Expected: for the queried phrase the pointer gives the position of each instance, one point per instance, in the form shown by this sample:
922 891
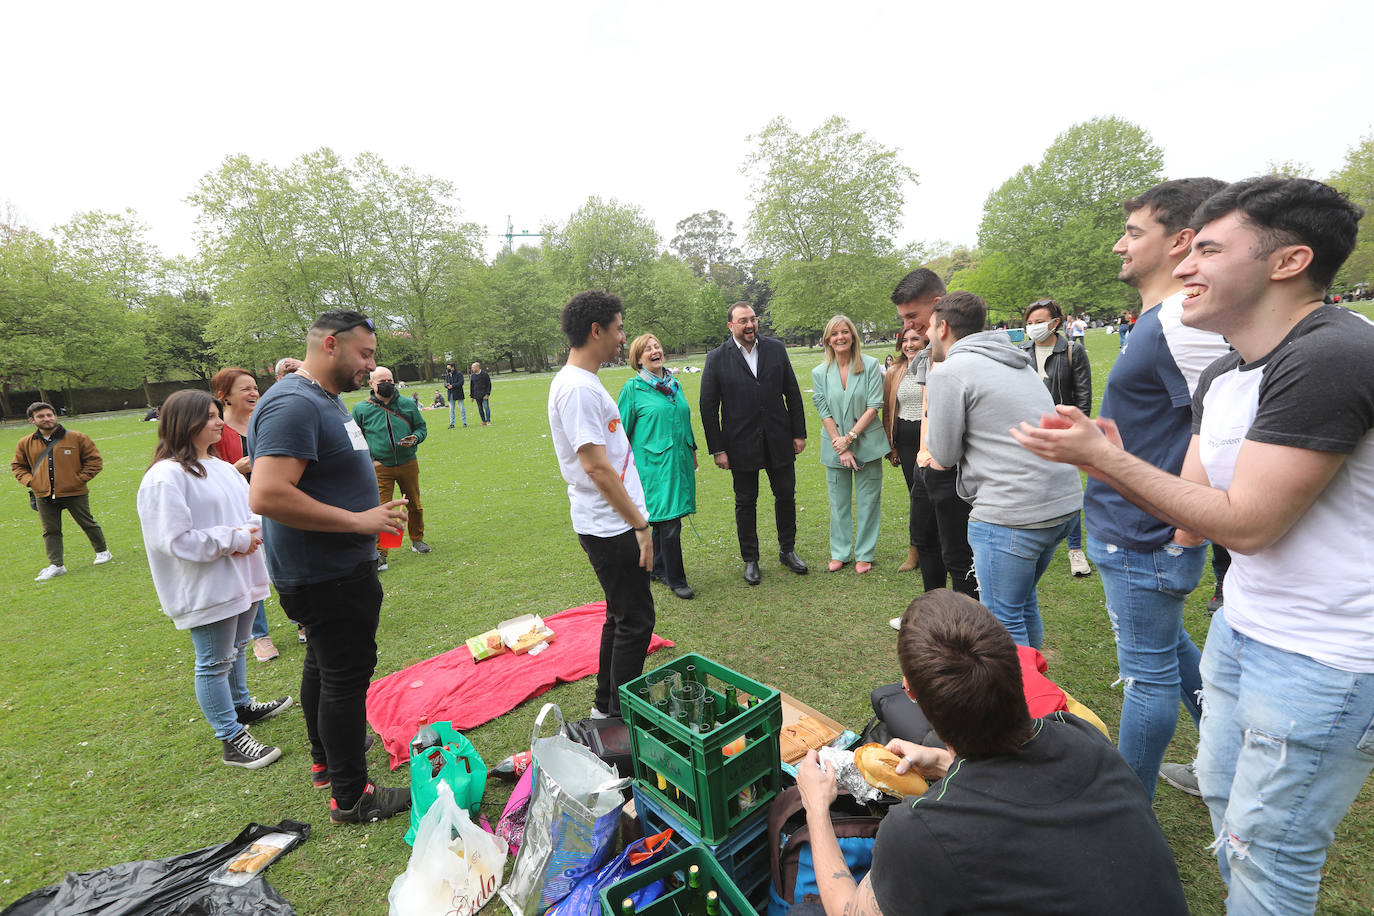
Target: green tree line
96 303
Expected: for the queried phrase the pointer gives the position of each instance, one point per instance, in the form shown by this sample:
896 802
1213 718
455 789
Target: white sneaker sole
265 760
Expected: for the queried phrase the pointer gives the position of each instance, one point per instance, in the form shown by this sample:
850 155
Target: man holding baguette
1023 815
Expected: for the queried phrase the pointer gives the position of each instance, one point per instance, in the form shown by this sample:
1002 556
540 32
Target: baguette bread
878 766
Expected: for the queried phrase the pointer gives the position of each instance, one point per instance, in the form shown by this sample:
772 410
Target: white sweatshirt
191 526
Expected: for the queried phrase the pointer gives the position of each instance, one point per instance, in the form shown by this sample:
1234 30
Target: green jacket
846 405
660 433
383 429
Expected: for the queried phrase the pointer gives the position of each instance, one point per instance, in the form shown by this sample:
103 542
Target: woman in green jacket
848 392
658 423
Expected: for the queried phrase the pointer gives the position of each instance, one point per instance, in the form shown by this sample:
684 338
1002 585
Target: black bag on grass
608 739
175 886
896 715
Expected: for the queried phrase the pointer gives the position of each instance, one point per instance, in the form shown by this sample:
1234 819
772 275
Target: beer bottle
627 907
731 703
712 903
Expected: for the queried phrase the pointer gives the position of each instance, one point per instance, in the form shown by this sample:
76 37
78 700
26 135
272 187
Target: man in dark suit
751 410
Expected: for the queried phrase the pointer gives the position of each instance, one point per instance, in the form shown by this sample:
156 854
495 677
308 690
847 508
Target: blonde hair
856 358
637 348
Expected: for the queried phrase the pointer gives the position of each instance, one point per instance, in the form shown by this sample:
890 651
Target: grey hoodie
985 386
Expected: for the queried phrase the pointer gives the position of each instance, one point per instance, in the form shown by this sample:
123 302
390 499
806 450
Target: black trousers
951 518
922 531
668 553
629 625
341 616
783 482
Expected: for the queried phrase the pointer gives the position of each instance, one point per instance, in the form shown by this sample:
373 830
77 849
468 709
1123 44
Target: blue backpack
794 874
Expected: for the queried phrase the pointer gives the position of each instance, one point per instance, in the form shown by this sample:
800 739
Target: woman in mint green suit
848 392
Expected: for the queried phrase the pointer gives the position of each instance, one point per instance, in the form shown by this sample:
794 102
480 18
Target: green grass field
105 757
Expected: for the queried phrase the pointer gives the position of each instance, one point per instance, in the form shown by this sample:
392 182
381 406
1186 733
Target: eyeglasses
1041 303
746 321
346 321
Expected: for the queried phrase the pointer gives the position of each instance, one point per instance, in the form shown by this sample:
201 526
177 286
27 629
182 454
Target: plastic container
677 901
707 791
744 857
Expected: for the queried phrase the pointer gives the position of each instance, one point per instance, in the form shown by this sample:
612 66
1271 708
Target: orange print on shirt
613 424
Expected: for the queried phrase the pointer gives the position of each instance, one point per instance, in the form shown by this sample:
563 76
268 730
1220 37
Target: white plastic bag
454 868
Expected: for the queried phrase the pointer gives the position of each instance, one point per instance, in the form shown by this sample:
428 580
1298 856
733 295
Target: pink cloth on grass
453 688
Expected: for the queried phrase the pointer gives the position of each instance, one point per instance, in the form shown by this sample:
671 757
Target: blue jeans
1156 658
1286 745
222 671
461 406
483 409
1009 563
259 620
1074 539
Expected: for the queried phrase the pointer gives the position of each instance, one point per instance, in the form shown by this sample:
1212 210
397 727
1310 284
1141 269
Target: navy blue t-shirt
298 419
1149 394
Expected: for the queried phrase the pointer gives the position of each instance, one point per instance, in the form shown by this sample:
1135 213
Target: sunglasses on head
347 325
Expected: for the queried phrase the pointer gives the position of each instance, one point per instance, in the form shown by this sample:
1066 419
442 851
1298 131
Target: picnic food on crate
806 734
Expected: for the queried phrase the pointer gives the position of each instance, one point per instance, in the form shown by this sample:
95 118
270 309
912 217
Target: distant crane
511 235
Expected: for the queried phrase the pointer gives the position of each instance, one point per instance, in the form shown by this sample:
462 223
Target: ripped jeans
1287 742
1156 658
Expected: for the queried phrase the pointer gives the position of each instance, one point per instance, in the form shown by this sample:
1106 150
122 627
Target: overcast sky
530 107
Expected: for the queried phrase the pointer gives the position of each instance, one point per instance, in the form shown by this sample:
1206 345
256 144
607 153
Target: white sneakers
52 572
1078 563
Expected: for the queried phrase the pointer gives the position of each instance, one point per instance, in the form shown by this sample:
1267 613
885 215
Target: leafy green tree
516 305
704 241
996 279
1056 222
604 245
112 250
824 205
418 245
1356 178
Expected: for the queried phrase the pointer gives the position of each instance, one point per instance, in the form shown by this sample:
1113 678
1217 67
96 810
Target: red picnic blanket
453 688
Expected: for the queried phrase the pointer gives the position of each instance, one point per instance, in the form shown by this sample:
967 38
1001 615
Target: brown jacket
75 460
895 373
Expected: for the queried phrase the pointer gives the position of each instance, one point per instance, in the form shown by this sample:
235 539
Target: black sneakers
255 711
243 750
376 803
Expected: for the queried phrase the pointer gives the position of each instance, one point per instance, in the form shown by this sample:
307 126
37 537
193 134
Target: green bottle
712 903
627 907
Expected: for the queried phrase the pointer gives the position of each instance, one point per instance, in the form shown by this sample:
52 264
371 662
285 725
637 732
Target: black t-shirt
1063 828
298 419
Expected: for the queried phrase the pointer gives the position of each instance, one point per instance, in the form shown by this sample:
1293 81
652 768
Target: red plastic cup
388 539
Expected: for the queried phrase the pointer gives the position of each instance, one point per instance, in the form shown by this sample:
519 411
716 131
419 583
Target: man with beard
752 414
56 463
314 485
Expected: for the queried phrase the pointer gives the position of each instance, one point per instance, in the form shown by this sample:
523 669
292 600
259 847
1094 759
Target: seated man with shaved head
394 428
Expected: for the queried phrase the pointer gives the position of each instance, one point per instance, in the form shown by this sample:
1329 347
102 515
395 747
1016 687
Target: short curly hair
586 309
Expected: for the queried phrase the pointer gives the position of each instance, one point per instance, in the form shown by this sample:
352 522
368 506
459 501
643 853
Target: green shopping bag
455 762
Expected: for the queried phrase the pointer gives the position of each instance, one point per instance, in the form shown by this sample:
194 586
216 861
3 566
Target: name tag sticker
355 435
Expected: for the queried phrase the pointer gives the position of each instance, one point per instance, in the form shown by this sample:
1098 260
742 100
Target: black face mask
385 389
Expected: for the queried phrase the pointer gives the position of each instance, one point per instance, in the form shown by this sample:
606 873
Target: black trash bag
176 886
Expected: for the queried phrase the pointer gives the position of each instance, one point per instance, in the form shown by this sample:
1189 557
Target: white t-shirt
1311 592
581 412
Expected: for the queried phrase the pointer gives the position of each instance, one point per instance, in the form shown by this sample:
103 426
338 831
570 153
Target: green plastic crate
677 901
702 784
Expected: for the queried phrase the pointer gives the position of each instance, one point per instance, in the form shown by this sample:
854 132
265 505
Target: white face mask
1039 332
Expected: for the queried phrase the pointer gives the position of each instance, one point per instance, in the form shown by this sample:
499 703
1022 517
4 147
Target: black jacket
454 382
753 420
480 385
1067 385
